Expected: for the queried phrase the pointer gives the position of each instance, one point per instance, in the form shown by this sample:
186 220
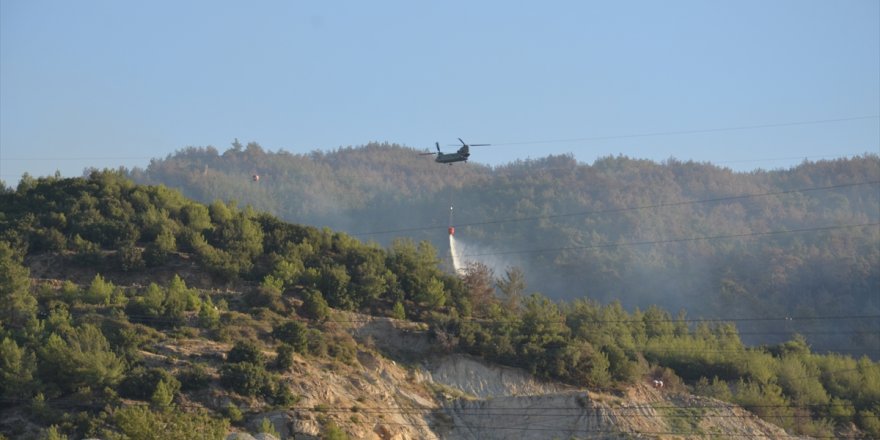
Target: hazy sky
109 83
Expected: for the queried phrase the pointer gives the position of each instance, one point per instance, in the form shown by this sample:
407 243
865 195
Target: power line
625 209
675 240
545 411
623 431
682 132
529 414
771 159
51 159
413 409
77 158
810 333
551 141
742 350
789 319
795 318
647 349
365 319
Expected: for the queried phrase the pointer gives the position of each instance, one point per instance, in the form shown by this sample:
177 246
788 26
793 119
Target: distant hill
799 242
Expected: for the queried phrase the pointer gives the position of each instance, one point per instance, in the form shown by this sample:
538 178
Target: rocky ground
400 385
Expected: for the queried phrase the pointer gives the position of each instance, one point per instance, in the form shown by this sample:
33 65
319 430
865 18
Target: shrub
99 291
398 312
294 333
53 433
267 295
717 389
232 413
17 367
330 431
284 358
317 343
267 427
194 378
342 347
599 375
148 305
164 394
209 314
138 422
48 239
314 306
129 258
283 396
87 253
81 358
142 383
127 338
246 351
869 420
621 367
246 379
157 252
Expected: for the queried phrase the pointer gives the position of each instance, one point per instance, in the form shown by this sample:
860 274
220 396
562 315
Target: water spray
456 258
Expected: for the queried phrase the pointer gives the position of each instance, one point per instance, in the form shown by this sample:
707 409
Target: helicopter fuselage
459 156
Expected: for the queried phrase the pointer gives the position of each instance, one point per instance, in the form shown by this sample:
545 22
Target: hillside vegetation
77 353
801 243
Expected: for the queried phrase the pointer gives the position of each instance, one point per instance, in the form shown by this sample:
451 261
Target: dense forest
72 350
802 243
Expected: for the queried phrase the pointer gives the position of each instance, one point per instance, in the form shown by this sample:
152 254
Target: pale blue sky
109 83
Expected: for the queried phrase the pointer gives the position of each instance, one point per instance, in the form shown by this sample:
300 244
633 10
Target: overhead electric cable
527 424
625 209
413 409
77 158
674 240
370 319
547 141
682 132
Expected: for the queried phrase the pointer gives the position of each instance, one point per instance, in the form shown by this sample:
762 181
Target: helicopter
459 156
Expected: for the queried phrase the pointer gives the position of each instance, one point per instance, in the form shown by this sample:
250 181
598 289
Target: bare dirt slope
478 400
426 394
401 385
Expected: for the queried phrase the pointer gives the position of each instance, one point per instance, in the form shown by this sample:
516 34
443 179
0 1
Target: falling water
464 252
456 257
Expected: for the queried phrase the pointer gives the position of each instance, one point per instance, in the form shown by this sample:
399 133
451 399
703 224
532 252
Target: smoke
464 253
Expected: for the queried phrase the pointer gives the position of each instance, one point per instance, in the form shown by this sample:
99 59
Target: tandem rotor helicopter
459 156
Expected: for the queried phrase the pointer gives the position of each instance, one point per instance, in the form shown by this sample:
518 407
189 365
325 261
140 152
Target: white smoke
464 253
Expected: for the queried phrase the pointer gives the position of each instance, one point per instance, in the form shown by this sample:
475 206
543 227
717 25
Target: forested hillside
152 274
87 356
801 243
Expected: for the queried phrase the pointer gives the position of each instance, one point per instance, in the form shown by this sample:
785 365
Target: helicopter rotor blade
469 145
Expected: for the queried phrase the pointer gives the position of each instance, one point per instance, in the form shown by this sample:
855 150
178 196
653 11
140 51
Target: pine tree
17 305
17 367
163 396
